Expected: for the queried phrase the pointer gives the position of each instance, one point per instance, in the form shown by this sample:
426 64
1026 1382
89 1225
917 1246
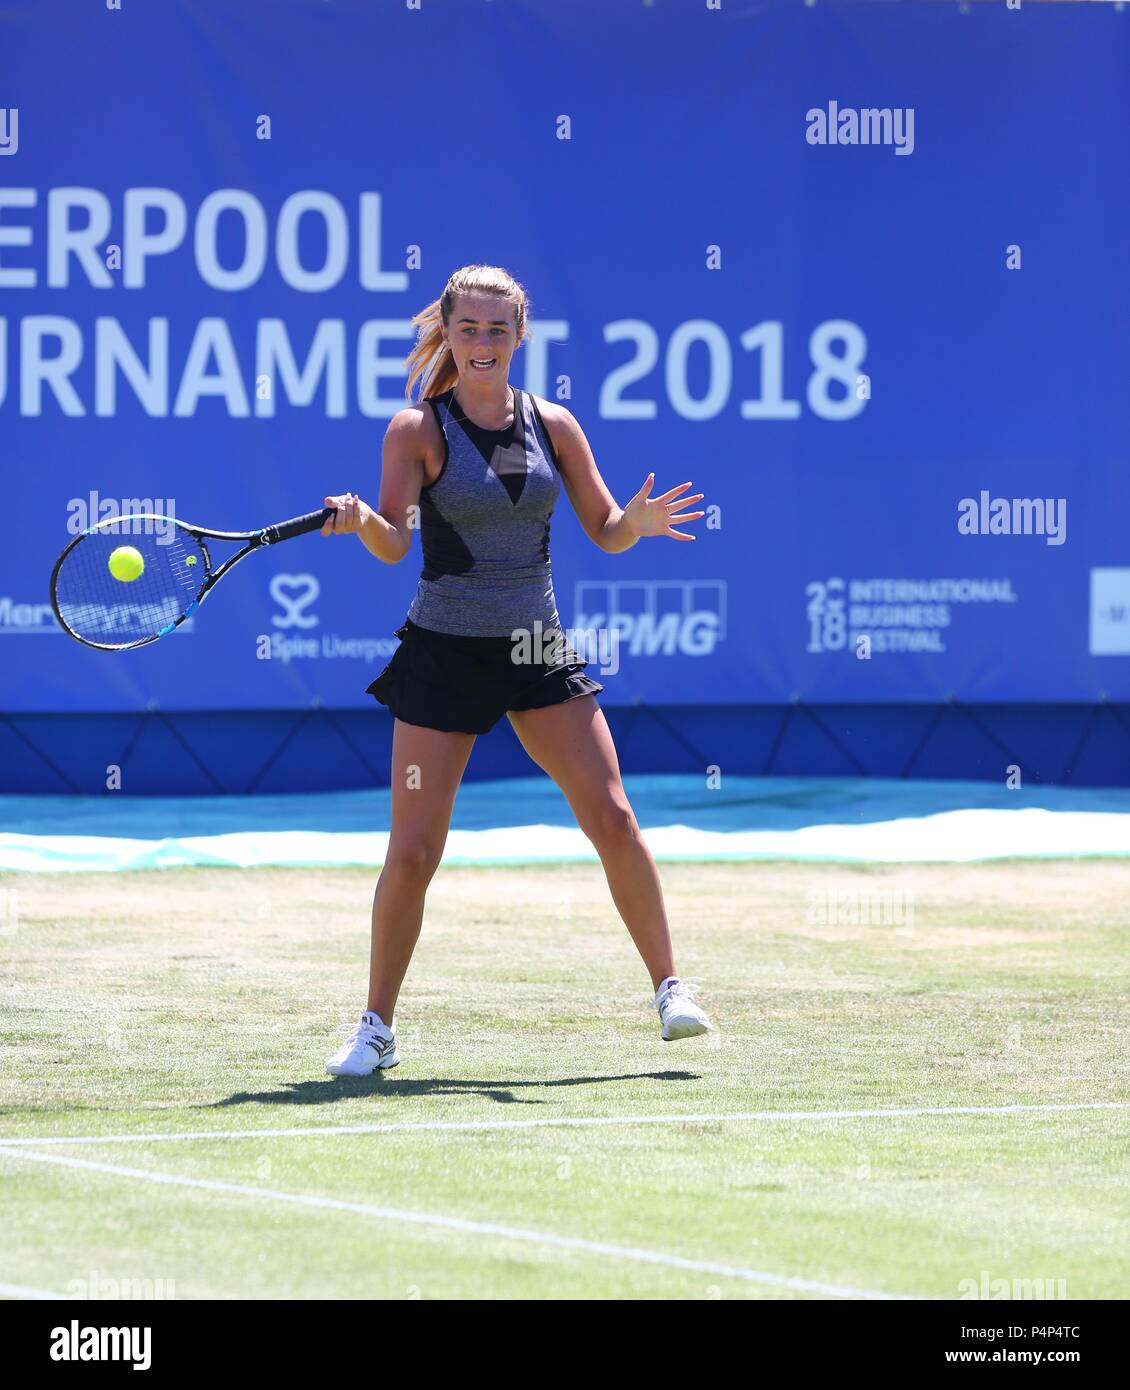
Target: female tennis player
481 464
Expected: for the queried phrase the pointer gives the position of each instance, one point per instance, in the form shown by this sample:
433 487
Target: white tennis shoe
369 1047
679 1011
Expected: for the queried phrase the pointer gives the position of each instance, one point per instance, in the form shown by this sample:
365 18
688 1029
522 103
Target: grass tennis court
205 1002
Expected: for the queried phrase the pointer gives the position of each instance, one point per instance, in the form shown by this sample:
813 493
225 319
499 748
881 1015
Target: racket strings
95 605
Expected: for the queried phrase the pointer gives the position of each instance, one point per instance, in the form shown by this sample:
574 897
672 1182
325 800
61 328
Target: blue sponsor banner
860 272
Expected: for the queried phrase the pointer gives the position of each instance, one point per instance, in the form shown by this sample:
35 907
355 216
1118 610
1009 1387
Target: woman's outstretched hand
352 514
652 516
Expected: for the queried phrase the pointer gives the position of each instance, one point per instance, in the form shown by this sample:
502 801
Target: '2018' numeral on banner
842 368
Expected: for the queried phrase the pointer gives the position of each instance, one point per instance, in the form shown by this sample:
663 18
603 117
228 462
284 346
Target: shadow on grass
380 1083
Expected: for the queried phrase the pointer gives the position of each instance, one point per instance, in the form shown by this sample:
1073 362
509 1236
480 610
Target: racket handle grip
297 526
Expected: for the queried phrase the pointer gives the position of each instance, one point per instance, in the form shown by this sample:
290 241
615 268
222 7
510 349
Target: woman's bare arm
612 527
385 530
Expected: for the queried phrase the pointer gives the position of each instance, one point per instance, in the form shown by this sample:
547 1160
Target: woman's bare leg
427 766
573 744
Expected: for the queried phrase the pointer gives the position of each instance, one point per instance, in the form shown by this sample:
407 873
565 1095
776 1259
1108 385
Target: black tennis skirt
466 684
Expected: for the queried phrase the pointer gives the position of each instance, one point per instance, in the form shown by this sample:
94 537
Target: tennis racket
129 580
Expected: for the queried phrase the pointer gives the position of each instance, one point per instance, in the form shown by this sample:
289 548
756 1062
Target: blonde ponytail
431 357
431 360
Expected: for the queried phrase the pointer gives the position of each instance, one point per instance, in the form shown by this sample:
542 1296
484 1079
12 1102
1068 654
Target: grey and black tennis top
484 525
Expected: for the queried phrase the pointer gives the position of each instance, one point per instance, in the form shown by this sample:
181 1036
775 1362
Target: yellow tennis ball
126 564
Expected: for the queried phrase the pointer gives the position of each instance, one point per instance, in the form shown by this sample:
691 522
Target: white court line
22 1291
566 1122
456 1223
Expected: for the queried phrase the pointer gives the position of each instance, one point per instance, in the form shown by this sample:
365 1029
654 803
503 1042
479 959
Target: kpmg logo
9 129
654 617
294 593
1110 612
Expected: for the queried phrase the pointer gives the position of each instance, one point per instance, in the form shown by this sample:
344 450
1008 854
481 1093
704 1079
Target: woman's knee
414 858
612 822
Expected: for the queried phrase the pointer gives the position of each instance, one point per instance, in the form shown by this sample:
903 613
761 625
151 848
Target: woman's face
482 336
